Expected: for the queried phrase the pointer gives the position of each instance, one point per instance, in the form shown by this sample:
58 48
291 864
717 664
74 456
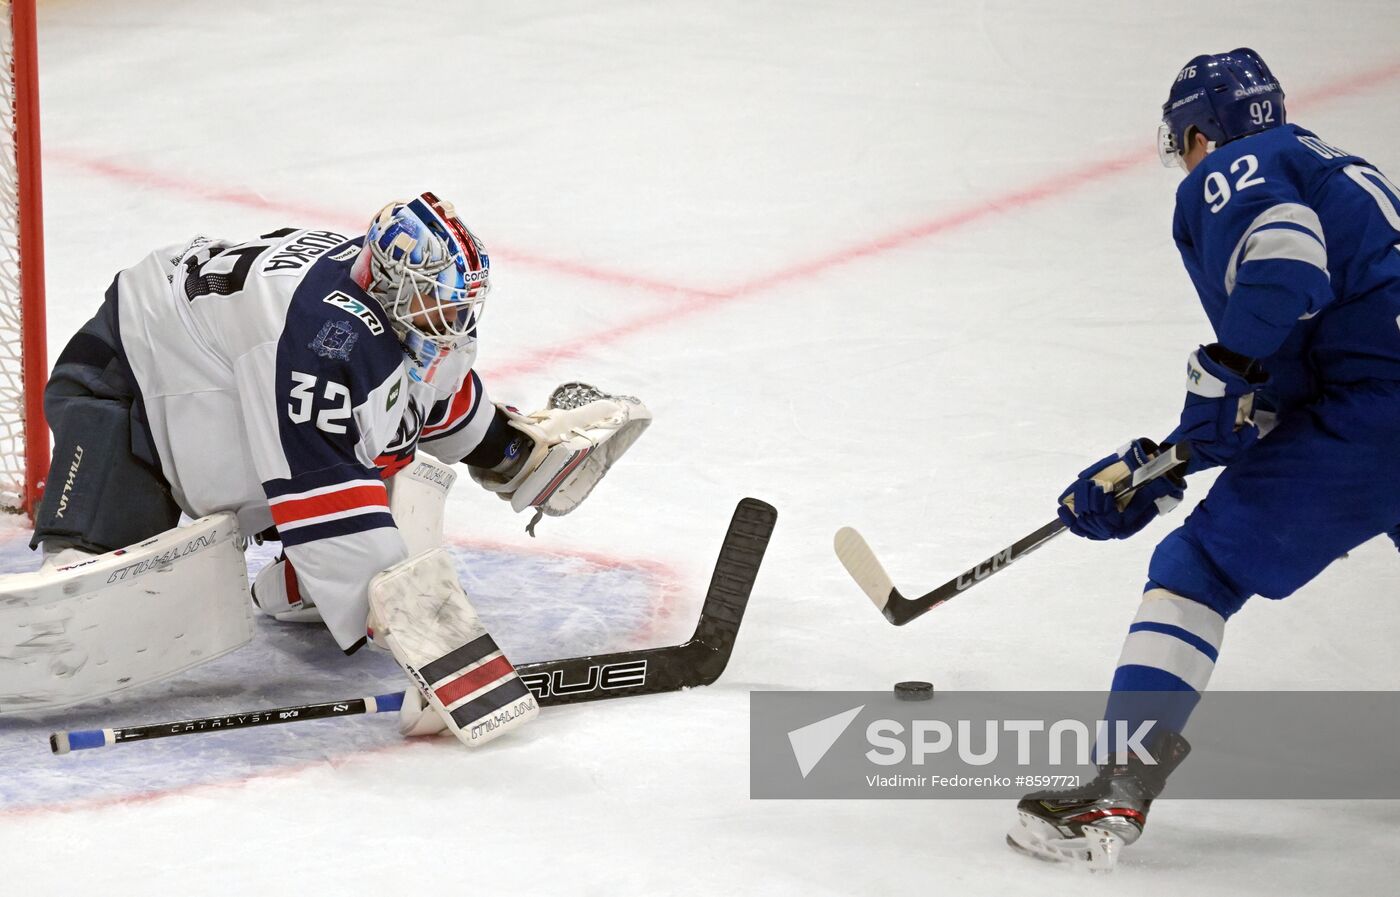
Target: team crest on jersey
358 308
335 340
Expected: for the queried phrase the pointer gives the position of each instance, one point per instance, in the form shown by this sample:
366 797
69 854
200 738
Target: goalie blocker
419 612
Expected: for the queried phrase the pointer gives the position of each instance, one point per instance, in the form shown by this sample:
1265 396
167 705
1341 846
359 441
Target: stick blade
699 661
855 555
736 570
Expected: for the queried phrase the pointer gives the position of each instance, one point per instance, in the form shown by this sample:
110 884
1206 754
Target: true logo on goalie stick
357 308
608 676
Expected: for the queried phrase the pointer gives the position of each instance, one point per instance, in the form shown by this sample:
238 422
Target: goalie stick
85 739
860 561
698 661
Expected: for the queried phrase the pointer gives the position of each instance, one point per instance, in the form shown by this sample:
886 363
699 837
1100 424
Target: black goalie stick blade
699 661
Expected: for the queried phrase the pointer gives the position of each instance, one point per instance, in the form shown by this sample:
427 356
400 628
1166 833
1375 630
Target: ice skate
1090 826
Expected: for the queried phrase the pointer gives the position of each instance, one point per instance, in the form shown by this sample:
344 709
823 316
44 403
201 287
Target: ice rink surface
903 266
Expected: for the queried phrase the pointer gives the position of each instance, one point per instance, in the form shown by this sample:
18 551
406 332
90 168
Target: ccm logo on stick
604 676
984 569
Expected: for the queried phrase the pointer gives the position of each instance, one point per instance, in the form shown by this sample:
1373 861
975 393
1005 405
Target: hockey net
24 442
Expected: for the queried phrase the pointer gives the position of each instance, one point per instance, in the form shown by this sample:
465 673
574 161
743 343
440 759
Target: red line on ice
692 300
1060 184
308 212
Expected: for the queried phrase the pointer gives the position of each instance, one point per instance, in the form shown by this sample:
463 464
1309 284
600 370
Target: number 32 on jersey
335 404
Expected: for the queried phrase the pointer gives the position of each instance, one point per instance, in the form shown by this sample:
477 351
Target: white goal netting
14 477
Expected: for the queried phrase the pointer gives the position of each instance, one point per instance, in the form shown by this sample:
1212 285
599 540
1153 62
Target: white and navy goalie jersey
1294 248
274 387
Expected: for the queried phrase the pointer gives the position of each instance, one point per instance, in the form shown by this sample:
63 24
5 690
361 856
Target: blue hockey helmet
1224 96
429 272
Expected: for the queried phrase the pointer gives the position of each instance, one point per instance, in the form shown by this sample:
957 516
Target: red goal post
24 438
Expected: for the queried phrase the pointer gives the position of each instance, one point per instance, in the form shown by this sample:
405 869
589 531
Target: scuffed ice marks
538 606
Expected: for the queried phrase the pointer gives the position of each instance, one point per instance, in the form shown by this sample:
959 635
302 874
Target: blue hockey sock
1166 663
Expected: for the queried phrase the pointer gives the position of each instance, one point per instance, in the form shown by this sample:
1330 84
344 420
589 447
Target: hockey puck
913 691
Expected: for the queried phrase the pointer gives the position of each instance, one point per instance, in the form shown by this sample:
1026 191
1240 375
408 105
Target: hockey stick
699 661
84 739
859 561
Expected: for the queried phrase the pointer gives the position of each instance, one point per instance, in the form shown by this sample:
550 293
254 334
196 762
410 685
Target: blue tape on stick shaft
83 739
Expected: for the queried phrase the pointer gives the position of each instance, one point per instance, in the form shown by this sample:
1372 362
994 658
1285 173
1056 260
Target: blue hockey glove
1089 509
1218 417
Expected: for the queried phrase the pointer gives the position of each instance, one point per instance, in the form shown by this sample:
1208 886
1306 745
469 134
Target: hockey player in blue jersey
1294 248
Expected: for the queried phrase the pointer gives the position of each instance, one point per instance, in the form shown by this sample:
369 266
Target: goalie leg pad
118 620
105 489
277 593
419 611
417 499
99 497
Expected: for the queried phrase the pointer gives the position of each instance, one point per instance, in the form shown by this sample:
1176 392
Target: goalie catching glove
567 447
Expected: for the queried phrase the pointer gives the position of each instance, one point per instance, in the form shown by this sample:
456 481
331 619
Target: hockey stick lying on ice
859 561
699 661
83 739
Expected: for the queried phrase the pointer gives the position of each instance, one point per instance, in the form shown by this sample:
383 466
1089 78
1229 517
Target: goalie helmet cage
24 439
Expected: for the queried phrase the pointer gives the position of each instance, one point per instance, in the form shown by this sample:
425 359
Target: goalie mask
429 272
